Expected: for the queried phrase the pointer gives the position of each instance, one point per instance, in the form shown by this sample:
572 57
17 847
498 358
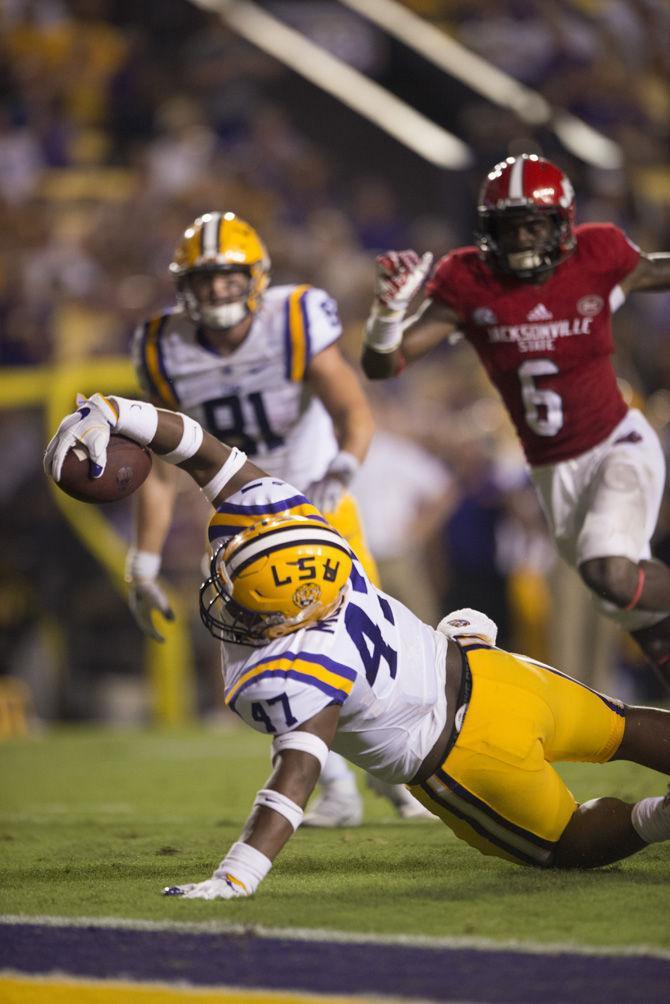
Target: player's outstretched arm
651 273
392 340
219 470
277 812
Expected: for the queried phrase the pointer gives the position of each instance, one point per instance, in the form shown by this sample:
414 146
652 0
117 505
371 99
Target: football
128 464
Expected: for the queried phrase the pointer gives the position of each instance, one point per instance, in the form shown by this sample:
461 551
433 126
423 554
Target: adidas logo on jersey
539 313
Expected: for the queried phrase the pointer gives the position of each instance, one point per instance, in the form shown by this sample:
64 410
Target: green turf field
93 823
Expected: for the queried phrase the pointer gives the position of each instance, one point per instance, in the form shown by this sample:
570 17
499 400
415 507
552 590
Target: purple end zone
244 961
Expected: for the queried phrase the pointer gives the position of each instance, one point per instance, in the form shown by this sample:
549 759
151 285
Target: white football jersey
255 398
374 658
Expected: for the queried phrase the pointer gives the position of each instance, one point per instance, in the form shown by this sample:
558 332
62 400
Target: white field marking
196 991
341 937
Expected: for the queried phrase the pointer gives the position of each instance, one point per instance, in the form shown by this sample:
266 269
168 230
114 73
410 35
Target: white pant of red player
606 502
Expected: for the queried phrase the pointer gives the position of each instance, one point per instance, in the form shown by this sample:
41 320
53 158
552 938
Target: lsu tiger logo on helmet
526 189
280 575
214 243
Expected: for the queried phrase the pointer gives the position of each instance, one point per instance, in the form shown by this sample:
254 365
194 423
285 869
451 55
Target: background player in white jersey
315 656
535 298
259 367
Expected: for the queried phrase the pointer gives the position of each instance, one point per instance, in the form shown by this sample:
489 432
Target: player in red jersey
535 298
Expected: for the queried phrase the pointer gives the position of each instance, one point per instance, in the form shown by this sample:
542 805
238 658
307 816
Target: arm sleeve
284 689
445 285
324 320
614 254
313 324
146 349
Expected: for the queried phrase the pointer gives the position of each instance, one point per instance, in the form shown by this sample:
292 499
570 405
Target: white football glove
398 277
88 427
144 594
213 888
328 490
239 874
469 623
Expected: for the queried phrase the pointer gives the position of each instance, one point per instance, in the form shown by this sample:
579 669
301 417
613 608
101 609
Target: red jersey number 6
543 408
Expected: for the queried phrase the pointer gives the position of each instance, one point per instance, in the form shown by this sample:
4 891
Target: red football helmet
526 191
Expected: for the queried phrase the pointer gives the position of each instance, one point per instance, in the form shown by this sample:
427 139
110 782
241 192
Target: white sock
335 769
651 819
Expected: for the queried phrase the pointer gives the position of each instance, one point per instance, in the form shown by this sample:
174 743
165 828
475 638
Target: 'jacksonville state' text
539 337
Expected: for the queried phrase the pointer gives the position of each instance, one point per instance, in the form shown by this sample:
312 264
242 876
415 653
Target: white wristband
189 443
306 742
245 865
282 804
383 334
233 464
138 420
142 566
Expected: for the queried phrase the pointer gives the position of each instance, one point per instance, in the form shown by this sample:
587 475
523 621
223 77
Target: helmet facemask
496 241
283 574
216 316
226 620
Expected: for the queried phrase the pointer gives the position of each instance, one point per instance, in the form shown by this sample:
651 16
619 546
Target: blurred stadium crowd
122 120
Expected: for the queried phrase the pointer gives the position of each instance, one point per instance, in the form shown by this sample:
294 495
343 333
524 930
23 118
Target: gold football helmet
278 576
220 242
